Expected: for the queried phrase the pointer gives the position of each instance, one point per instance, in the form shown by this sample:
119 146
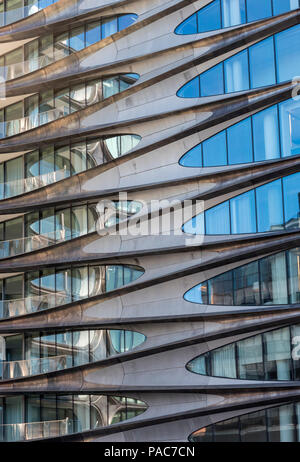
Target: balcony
26 367
17 126
36 430
22 306
13 15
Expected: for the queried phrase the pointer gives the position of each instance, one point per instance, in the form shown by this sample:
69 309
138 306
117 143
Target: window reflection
43 352
54 415
227 13
277 424
47 165
267 356
273 280
268 134
270 207
52 47
38 290
273 60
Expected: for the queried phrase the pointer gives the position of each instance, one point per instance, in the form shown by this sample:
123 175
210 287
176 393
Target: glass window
14 175
209 17
98 345
291 195
253 427
62 162
217 219
77 98
109 27
80 347
82 412
258 9
287 53
31 55
77 39
47 164
61 46
96 280
212 81
80 283
63 224
220 289
14 229
246 285
93 33
239 138
197 294
126 20
269 207
273 280
214 150
13 287
190 90
223 362
262 62
114 277
289 114
110 87
278 354
94 92
78 158
233 12
189 26
227 431
236 73
294 275
266 134
62 102
243 214
250 358
282 6
79 221
281 425
193 158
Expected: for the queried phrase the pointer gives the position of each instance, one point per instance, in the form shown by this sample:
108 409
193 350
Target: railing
20 186
28 244
10 16
27 367
13 71
16 126
20 306
34 430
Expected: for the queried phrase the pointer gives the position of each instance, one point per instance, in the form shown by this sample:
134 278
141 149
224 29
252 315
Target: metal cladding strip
176 331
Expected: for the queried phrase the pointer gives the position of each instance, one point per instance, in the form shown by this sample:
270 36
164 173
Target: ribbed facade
187 334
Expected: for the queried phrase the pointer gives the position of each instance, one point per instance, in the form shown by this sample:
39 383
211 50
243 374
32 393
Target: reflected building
120 321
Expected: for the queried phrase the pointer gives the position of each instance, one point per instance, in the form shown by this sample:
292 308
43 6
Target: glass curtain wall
273 280
273 206
273 355
42 352
47 165
38 290
57 415
268 134
220 14
276 424
273 60
51 105
45 50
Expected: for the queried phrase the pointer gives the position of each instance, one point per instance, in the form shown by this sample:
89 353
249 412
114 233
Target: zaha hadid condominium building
116 114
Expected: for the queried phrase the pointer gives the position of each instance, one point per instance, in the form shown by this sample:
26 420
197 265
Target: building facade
150 214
